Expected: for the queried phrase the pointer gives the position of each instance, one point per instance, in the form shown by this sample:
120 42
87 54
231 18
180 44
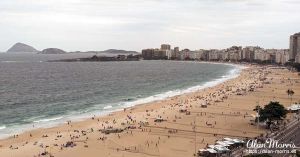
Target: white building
282 56
213 55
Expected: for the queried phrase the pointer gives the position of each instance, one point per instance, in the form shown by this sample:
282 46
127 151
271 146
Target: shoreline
62 119
231 123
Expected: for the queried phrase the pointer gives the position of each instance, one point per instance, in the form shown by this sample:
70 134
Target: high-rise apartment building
295 47
165 47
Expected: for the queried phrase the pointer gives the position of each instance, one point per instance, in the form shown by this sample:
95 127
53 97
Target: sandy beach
188 122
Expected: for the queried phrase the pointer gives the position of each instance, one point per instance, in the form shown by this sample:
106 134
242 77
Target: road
291 134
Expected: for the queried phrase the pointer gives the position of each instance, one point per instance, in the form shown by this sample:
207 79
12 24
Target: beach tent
204 104
294 108
222 143
233 142
218 148
112 130
229 142
238 141
221 148
182 110
207 152
212 151
158 120
202 152
228 139
211 146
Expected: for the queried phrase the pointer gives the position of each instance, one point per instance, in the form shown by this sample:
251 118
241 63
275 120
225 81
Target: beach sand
228 114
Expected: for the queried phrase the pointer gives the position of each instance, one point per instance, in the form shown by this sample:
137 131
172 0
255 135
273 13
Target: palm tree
290 93
257 109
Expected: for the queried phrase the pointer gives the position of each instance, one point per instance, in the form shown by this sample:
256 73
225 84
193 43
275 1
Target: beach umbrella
202 150
222 143
211 151
211 146
238 141
228 142
228 139
221 148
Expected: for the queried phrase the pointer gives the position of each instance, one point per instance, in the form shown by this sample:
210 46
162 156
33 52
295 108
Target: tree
293 65
271 112
290 93
257 108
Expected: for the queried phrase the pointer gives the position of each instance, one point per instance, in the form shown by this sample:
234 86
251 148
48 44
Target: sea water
36 93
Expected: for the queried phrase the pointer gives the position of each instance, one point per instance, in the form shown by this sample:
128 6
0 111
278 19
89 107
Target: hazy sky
137 24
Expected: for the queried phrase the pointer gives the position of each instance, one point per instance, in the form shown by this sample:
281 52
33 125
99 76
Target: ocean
45 94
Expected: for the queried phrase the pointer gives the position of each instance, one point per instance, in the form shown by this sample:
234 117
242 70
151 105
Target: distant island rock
20 47
115 51
111 51
96 58
52 51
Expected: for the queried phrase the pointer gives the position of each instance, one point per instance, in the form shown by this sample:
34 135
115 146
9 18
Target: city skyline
134 25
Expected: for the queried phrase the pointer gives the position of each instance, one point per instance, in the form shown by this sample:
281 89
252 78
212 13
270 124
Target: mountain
52 51
20 47
115 51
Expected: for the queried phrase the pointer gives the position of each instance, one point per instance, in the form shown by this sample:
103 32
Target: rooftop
297 34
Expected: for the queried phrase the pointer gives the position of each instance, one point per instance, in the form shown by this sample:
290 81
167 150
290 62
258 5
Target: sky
85 25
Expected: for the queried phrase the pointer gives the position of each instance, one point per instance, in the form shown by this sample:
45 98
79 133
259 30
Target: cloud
135 24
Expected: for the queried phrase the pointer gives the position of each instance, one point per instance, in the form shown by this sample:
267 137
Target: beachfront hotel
295 47
165 47
252 54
